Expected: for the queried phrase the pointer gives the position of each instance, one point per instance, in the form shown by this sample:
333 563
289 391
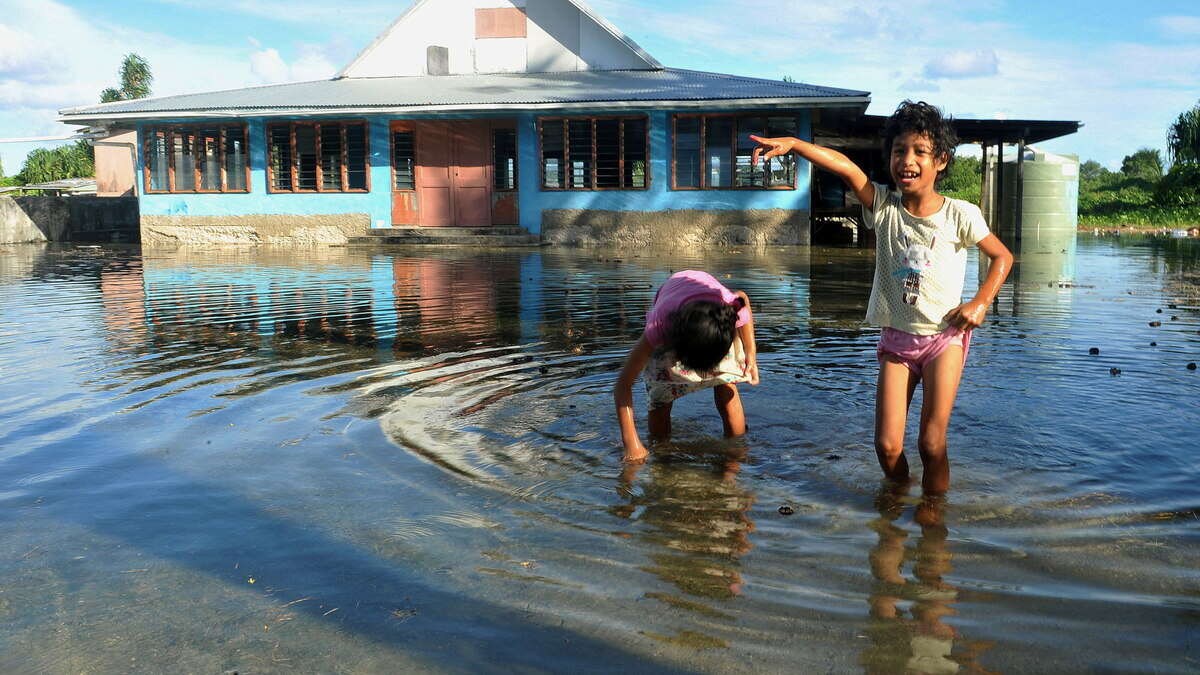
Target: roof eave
681 104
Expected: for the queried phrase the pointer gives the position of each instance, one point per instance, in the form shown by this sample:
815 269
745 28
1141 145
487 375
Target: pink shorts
916 351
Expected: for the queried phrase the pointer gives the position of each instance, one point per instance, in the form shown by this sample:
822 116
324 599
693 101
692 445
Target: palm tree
1183 137
135 80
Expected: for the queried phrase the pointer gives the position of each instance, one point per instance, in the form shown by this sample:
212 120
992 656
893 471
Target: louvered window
713 152
317 157
504 157
404 153
203 158
602 153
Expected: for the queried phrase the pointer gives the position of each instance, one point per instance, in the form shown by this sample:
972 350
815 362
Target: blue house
485 114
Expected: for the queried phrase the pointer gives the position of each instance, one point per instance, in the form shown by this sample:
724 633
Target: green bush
1180 187
68 161
963 181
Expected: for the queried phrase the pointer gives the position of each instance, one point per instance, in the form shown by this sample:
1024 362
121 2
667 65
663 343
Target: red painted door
435 197
472 173
453 173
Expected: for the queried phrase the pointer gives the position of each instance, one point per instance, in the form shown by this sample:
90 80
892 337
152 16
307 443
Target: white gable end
498 36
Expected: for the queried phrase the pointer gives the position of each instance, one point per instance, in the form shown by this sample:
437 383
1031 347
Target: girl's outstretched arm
746 333
623 397
971 313
826 158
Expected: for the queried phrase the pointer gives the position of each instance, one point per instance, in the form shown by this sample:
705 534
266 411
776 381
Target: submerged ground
350 461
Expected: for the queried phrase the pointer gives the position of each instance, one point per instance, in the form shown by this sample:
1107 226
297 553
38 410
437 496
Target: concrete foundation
77 219
30 219
684 228
168 231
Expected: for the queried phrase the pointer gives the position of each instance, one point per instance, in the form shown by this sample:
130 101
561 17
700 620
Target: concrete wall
688 228
26 219
303 230
82 219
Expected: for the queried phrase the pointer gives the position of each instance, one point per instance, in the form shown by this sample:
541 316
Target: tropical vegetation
1144 193
135 81
77 160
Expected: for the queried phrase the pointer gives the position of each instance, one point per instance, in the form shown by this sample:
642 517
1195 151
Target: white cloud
917 84
962 63
269 67
1178 26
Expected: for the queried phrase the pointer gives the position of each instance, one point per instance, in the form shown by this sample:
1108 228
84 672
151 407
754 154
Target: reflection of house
534 113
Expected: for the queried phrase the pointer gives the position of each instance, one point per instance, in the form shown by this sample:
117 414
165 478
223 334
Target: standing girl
916 298
699 335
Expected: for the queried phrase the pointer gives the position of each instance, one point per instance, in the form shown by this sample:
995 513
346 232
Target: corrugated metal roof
508 90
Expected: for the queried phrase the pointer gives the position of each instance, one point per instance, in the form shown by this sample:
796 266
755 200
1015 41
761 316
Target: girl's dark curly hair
922 118
701 333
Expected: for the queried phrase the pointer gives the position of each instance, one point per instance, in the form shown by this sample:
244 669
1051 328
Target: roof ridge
751 78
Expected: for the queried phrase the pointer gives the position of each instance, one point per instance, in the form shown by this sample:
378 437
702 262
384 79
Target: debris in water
786 510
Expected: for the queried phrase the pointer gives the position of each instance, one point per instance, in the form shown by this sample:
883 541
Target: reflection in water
387 416
907 630
697 516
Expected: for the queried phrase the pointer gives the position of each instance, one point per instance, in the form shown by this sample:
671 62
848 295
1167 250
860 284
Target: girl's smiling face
914 163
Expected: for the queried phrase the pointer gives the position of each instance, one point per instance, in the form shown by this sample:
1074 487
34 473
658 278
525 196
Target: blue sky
1124 69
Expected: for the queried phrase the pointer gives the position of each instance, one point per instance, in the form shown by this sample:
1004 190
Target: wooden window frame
732 154
392 129
344 177
516 172
567 152
150 132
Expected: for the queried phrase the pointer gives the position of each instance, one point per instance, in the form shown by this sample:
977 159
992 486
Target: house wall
660 215
657 215
114 165
558 38
263 217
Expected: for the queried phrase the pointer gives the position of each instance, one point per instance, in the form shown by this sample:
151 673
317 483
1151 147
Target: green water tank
1049 211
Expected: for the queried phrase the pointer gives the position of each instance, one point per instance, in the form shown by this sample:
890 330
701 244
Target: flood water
343 460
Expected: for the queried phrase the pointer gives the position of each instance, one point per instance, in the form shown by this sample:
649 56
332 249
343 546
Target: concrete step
498 235
490 240
453 231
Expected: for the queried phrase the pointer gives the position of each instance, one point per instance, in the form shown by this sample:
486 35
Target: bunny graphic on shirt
916 259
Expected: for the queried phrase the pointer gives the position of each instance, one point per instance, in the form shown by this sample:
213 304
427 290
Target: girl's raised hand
770 147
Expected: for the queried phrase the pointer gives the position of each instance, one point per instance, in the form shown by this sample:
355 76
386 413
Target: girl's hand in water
770 147
968 315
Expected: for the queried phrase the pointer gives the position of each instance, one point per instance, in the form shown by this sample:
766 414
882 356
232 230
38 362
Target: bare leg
893 394
659 421
941 379
729 406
